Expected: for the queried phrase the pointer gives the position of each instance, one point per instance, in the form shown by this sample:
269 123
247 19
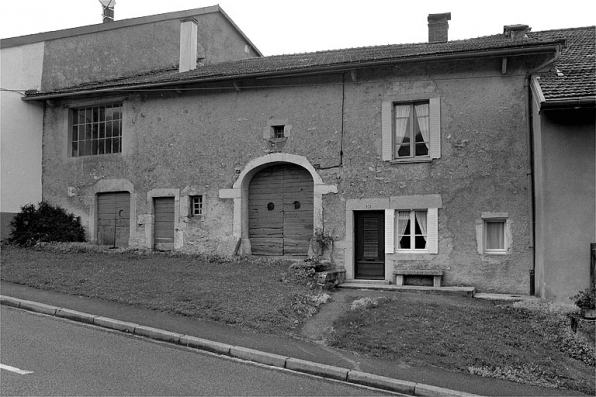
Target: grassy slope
487 338
259 295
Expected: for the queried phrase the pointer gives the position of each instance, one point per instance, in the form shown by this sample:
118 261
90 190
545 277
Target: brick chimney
438 26
108 10
188 44
516 31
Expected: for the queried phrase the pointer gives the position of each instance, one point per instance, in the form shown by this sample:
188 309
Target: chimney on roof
188 44
516 31
108 10
438 26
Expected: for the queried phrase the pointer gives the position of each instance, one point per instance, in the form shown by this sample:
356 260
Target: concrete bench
400 273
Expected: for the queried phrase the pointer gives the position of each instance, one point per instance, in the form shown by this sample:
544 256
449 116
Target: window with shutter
411 128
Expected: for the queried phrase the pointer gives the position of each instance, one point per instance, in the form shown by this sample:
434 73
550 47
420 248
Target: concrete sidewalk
295 354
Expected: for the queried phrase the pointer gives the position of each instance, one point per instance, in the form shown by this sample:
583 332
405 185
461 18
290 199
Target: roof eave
491 53
575 103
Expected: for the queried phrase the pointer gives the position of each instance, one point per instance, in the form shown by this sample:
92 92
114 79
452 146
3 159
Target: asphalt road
67 358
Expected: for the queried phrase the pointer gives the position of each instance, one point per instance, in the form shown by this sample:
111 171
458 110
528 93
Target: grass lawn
263 296
524 342
528 343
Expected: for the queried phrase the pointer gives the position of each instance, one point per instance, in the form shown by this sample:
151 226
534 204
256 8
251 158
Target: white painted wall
21 127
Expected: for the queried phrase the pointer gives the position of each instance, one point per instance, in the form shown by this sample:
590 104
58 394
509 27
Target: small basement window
196 205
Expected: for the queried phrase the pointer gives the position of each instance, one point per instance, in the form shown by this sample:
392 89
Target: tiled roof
351 58
575 74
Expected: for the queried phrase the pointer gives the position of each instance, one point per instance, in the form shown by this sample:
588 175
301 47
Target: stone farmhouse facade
410 156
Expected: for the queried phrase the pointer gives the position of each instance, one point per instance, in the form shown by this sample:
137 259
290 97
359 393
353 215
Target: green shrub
45 224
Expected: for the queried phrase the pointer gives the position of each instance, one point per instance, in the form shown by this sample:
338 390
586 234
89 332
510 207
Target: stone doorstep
379 286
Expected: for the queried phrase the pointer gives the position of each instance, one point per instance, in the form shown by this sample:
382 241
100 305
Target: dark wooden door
280 202
163 232
370 245
113 219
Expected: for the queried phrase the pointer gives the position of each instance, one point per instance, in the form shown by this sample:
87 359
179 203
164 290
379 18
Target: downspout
530 143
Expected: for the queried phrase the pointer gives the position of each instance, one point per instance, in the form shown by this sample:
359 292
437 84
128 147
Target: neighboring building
411 156
564 147
53 60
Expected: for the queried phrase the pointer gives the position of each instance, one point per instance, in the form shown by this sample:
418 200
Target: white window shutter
389 231
435 127
432 228
387 130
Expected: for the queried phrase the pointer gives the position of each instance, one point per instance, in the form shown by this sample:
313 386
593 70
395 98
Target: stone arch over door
239 193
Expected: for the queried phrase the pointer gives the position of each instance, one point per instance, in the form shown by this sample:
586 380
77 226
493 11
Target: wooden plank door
298 197
280 203
163 231
370 245
113 219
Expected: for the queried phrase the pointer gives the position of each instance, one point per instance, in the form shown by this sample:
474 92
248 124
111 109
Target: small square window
494 236
278 131
196 205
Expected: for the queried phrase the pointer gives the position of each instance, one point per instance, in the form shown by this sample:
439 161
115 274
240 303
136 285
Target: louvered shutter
432 227
389 231
387 130
435 127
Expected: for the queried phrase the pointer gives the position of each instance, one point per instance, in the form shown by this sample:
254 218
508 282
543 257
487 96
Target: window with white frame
412 230
494 236
196 205
411 128
96 130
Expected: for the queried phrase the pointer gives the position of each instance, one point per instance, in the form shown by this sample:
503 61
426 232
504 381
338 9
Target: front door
163 211
280 206
370 245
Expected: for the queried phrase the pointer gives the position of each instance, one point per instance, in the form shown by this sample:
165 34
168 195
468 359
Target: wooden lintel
504 65
238 86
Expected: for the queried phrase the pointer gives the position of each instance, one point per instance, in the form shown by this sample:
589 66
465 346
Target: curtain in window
421 220
495 235
403 218
402 115
422 117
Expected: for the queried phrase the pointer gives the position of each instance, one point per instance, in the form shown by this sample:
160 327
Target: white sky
293 26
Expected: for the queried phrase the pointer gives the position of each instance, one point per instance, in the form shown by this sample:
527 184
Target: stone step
381 286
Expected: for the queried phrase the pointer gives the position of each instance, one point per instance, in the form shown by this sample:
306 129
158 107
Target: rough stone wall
198 141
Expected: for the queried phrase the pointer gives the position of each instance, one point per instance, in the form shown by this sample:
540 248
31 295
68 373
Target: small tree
46 223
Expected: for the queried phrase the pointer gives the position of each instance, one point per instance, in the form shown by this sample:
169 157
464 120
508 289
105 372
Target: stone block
381 382
258 356
309 367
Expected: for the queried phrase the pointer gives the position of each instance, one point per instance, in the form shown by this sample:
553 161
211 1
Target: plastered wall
200 141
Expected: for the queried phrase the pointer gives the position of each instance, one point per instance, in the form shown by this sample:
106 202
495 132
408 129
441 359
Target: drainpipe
530 143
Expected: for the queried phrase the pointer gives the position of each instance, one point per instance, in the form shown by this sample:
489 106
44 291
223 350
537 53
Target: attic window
278 131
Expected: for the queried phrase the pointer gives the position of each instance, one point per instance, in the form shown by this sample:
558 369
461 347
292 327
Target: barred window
96 130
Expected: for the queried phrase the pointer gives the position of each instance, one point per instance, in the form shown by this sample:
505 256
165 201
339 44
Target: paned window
96 130
278 131
411 230
494 236
196 205
411 130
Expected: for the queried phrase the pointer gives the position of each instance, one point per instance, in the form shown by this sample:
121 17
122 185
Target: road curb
275 360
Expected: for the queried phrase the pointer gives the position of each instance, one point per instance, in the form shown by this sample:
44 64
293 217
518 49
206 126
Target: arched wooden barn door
280 205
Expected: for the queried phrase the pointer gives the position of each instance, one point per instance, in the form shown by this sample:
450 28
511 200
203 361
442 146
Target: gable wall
199 141
133 50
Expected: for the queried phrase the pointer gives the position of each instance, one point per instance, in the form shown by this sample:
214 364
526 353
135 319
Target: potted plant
586 301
